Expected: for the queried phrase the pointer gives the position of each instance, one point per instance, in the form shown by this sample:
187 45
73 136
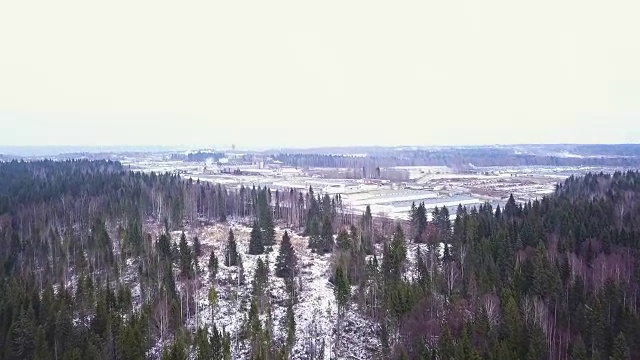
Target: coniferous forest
556 278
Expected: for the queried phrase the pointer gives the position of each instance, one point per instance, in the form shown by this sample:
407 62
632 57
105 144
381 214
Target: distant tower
233 147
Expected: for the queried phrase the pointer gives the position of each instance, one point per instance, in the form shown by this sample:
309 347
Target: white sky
309 73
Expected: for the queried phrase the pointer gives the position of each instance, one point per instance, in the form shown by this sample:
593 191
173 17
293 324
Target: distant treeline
626 156
200 156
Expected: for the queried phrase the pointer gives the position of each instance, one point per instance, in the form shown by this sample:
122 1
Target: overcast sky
310 73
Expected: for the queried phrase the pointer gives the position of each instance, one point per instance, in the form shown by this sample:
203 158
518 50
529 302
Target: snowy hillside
315 312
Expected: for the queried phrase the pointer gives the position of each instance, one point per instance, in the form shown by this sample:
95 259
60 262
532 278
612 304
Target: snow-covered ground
315 312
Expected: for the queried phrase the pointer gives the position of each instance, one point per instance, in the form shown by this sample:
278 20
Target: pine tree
286 261
256 246
231 253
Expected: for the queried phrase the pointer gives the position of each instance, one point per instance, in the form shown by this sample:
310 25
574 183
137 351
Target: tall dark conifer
231 252
286 261
256 246
186 257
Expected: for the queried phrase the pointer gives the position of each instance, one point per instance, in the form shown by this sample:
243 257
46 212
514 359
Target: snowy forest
98 262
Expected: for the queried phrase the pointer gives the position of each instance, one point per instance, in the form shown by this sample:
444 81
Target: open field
436 186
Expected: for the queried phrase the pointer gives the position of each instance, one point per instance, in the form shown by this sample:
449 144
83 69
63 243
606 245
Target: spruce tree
256 246
203 350
286 261
186 258
578 350
212 296
419 222
343 242
536 350
175 253
213 265
241 277
291 327
620 348
222 208
446 347
260 278
197 247
268 228
231 253
265 219
326 236
41 345
163 246
342 288
367 231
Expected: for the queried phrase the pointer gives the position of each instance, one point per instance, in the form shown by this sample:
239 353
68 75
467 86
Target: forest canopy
556 278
